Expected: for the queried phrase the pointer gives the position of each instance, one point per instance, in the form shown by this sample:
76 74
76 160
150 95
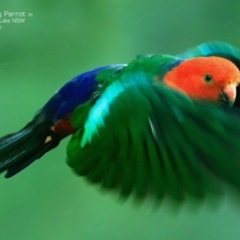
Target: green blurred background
60 40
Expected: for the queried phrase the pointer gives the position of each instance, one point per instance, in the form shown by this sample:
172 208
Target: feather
148 141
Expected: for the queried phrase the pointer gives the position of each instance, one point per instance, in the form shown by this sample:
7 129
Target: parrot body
146 127
52 122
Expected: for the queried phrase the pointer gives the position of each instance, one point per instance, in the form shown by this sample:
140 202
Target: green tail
20 149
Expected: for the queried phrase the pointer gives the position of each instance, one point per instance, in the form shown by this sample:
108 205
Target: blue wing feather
73 93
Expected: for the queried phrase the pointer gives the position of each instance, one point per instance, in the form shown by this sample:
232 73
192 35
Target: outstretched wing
146 139
219 49
216 48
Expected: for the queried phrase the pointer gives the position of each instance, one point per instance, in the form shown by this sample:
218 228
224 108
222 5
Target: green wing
219 49
146 139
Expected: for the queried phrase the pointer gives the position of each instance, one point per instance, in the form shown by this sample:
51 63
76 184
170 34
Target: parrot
162 125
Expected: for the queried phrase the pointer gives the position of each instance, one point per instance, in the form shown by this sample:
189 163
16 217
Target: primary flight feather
154 126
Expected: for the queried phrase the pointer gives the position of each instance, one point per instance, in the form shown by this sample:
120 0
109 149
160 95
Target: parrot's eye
208 78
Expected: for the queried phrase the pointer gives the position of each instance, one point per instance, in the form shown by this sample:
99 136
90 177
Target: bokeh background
60 40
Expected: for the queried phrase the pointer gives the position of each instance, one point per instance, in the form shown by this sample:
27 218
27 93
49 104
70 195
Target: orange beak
228 94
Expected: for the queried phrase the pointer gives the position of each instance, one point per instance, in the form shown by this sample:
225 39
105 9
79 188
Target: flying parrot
154 127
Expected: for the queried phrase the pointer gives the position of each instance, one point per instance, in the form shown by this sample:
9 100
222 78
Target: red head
209 78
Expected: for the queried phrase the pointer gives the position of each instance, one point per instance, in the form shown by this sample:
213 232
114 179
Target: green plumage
219 49
135 135
142 138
